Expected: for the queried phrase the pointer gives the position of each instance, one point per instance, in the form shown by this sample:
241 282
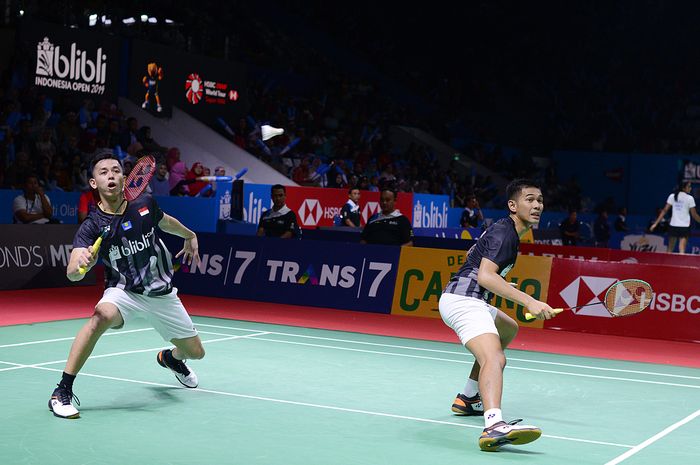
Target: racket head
628 297
139 177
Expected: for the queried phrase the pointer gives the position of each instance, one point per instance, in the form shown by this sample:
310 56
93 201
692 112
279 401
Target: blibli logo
131 247
75 66
430 216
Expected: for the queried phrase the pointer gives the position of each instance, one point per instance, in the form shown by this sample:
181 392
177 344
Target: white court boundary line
653 439
541 362
46 341
303 404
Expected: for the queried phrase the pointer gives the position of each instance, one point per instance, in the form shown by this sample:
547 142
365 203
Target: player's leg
169 317
672 243
106 316
682 244
468 402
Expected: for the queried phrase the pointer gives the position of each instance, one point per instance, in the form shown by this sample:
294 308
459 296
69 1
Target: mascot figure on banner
151 80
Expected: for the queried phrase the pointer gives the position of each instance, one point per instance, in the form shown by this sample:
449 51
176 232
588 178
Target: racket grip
529 316
95 249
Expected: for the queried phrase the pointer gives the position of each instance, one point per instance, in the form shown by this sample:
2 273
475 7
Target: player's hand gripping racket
135 184
623 298
95 248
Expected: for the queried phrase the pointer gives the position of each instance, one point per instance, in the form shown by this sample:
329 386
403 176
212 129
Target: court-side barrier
674 313
609 255
314 273
423 274
35 256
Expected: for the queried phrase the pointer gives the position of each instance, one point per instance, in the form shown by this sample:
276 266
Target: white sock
492 416
471 389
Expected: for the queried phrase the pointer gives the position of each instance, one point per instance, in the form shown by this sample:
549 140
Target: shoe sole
70 417
516 438
161 362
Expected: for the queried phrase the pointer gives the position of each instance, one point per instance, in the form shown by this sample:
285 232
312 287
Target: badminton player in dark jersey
483 329
138 279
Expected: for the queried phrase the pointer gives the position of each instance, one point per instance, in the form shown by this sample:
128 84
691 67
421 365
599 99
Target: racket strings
628 297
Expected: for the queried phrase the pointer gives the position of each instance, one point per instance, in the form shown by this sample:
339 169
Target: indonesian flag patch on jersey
143 211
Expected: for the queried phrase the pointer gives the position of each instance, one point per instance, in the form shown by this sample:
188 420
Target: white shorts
467 316
165 313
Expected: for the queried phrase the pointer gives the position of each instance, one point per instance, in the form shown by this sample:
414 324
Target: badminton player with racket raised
483 329
124 232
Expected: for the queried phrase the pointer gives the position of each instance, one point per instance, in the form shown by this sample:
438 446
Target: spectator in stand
18 171
601 229
389 227
219 171
60 177
621 221
472 215
176 180
45 146
196 171
148 143
350 213
33 206
570 229
279 221
86 202
159 183
113 134
172 157
302 174
130 135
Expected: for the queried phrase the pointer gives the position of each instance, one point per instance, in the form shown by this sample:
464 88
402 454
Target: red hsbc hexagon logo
369 209
586 290
310 212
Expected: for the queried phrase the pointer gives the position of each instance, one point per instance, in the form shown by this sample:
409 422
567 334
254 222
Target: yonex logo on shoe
491 415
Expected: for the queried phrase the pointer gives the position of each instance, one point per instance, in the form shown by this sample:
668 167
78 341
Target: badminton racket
623 298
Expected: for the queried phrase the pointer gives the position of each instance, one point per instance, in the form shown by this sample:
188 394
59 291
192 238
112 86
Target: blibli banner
256 199
430 211
320 274
70 61
423 274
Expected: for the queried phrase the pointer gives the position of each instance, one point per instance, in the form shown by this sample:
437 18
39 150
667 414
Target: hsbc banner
205 87
430 211
320 274
36 256
317 206
674 313
609 255
64 61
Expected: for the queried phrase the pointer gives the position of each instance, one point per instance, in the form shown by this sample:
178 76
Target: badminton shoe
182 372
503 433
468 406
61 403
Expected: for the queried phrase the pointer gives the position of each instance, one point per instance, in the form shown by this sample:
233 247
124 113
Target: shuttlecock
268 132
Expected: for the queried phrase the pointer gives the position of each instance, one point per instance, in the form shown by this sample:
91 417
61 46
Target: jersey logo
143 211
126 225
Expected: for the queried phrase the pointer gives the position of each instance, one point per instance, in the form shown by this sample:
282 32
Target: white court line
307 404
508 367
653 439
114 354
512 359
45 341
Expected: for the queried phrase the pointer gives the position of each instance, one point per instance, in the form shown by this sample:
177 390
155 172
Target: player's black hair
354 188
516 186
277 186
681 186
102 156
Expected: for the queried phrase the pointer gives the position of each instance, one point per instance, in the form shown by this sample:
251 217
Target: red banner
317 206
674 313
609 255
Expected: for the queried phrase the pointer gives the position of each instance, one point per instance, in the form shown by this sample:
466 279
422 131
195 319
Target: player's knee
103 318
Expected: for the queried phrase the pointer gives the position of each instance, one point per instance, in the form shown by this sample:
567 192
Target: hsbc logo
588 290
310 212
369 209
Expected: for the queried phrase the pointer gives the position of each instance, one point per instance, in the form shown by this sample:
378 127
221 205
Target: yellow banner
423 274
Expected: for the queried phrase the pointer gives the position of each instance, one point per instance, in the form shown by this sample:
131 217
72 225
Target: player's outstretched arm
190 250
79 257
489 278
